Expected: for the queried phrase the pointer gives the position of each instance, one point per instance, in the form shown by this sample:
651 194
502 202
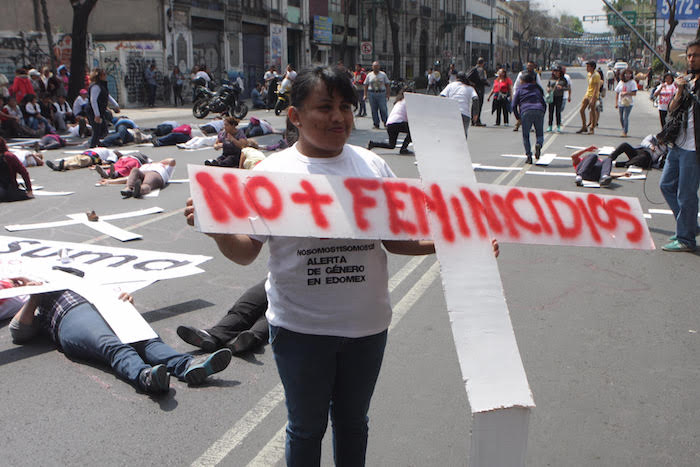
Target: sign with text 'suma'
264 203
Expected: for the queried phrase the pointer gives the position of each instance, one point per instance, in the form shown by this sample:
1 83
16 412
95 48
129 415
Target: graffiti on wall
23 49
134 81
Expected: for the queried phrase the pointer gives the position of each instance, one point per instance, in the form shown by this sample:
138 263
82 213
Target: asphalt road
609 338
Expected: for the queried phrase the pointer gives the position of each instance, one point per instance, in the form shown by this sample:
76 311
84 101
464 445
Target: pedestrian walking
681 176
626 89
610 77
177 80
530 67
378 88
665 92
477 76
529 107
502 94
462 92
358 80
96 108
151 84
590 99
432 83
556 87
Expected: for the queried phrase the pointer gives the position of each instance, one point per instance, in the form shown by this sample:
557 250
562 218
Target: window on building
334 5
296 3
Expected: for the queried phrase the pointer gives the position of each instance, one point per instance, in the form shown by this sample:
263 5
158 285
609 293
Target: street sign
366 48
614 20
685 9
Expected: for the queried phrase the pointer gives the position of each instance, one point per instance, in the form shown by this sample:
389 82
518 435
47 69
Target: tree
346 21
396 48
81 15
672 23
49 36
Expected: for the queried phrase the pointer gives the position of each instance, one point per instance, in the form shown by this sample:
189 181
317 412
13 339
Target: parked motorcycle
226 100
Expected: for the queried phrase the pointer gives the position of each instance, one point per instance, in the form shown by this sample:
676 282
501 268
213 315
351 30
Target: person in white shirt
396 123
465 95
288 80
62 113
567 93
378 89
327 337
79 104
626 89
610 78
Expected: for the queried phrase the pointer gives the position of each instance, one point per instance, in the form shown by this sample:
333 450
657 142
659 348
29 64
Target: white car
621 66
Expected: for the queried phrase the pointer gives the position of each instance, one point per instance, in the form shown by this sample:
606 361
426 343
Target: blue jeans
625 117
322 374
679 185
527 119
377 101
120 137
83 334
171 139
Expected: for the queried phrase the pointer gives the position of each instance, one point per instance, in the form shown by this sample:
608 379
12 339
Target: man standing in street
479 79
681 176
590 99
377 86
151 85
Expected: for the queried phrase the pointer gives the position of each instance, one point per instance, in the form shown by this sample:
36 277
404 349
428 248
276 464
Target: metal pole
646 44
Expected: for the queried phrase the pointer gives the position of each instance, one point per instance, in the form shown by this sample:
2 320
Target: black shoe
197 337
201 368
620 163
101 171
538 149
137 189
207 162
528 160
376 127
128 193
51 165
370 145
243 342
154 141
155 380
405 152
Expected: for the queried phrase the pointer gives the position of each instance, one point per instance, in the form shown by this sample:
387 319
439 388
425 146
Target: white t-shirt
105 154
568 80
22 156
202 74
377 82
288 80
519 81
687 136
463 94
165 171
80 101
335 287
398 113
629 86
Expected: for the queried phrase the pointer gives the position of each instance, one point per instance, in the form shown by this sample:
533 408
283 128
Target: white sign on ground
461 216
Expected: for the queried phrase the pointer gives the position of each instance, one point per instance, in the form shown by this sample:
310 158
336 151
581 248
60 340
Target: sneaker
137 189
405 152
198 337
203 367
549 129
677 246
155 380
51 165
558 129
579 180
606 180
538 150
243 342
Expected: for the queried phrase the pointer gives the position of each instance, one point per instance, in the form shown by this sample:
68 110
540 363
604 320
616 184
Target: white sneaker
579 180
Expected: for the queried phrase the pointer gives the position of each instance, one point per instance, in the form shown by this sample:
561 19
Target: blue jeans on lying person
322 374
173 138
84 335
120 137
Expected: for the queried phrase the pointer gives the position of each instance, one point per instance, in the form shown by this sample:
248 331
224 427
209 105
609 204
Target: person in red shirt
22 85
503 92
10 166
358 80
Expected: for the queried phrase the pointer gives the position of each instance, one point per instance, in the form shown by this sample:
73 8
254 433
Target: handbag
549 97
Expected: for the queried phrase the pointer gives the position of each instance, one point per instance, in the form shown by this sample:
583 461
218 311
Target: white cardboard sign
233 200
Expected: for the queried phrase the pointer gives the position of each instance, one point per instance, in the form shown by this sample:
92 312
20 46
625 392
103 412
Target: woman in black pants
97 107
395 124
557 85
649 154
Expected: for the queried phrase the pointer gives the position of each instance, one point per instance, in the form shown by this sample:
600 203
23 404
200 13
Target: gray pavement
609 338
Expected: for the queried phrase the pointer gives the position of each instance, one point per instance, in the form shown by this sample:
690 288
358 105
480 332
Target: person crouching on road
529 108
396 123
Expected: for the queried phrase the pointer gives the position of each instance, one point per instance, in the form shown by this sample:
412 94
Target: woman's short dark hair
335 79
528 78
